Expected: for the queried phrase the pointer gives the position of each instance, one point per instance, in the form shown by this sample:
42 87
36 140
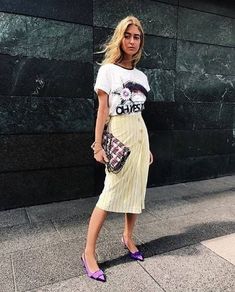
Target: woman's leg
130 220
96 221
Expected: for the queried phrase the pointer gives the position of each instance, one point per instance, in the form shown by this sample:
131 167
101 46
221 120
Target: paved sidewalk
187 234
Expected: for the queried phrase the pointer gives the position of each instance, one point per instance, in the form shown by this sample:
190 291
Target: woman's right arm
102 115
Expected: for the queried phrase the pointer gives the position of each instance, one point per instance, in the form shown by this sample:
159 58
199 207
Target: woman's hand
100 156
102 115
151 158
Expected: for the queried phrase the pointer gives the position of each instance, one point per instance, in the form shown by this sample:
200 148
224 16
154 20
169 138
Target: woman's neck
127 63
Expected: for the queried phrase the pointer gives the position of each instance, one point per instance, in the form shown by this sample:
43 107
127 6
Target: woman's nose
131 40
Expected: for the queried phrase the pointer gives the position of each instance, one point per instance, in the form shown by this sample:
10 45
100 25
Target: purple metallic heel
98 275
137 256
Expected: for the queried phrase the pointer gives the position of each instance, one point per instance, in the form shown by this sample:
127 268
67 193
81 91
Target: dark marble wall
46 101
190 60
47 105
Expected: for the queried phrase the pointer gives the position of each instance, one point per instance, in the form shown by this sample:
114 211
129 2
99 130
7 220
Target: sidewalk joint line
57 231
13 273
151 276
28 216
217 254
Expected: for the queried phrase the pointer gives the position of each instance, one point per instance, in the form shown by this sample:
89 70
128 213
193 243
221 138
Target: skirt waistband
126 116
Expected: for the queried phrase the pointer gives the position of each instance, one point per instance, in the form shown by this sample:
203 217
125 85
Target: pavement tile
172 207
46 250
13 217
115 221
192 268
227 180
61 210
47 265
224 246
206 223
157 237
170 192
76 227
191 189
25 236
6 275
172 233
111 250
232 210
213 185
125 277
111 253
168 208
77 284
214 200
219 214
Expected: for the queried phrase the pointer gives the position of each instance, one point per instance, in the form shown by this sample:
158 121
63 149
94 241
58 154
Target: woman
122 91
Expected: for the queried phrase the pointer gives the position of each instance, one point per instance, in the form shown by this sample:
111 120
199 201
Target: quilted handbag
116 152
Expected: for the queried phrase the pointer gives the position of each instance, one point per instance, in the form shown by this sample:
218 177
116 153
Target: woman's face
131 41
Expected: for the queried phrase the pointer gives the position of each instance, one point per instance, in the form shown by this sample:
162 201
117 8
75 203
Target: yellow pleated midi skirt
125 191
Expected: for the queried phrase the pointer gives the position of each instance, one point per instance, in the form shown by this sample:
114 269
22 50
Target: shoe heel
133 255
98 275
123 243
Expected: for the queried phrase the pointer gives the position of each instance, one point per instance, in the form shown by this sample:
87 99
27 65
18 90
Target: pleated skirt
125 192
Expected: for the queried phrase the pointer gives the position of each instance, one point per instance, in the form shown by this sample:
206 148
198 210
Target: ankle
89 253
127 237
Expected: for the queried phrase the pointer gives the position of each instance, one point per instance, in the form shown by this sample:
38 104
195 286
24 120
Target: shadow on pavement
195 234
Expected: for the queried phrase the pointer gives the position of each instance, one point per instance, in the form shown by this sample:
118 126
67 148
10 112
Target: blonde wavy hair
112 49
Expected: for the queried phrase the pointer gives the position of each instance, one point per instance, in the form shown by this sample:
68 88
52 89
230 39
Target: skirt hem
120 211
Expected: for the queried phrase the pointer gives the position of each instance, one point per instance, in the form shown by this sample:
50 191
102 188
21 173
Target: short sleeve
103 80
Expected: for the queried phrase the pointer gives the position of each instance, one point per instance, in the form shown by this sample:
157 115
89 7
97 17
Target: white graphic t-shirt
127 88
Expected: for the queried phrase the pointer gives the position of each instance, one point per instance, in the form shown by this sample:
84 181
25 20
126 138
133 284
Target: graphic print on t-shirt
132 97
